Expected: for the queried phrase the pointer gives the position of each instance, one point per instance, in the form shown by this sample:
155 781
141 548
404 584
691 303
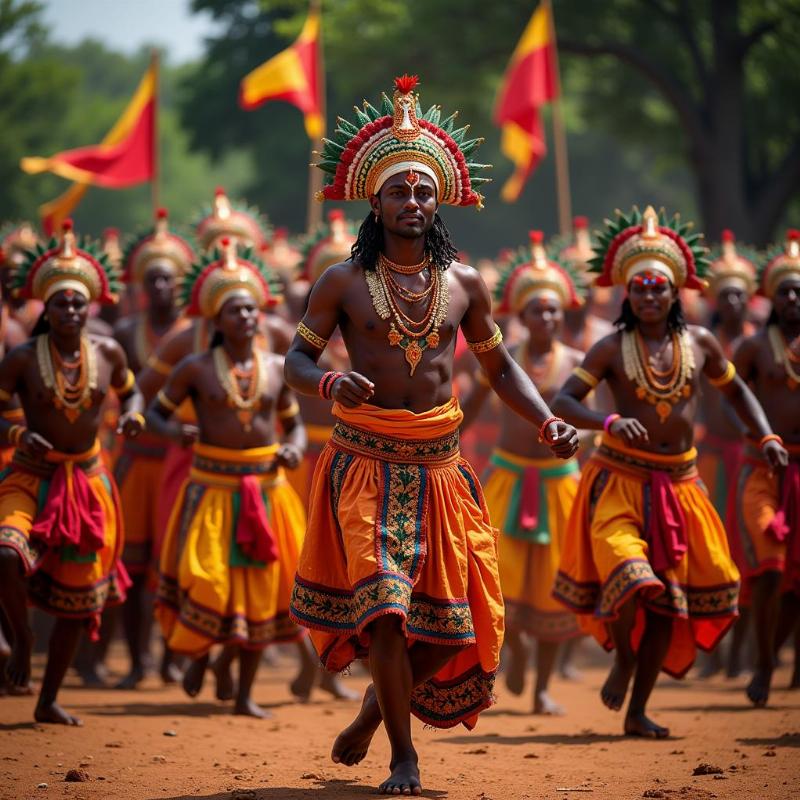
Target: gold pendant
663 409
72 413
246 419
413 355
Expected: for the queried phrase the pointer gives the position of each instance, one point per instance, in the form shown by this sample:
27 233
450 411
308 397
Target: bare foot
353 742
404 778
638 724
53 713
93 677
132 679
248 708
301 686
331 684
226 689
515 673
18 668
194 676
616 686
570 673
170 673
758 688
544 704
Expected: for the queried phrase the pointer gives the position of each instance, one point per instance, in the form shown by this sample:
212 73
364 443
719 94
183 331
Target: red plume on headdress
406 83
536 237
580 223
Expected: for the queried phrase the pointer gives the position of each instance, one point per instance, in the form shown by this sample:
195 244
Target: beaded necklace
412 336
784 355
661 394
246 403
71 398
544 377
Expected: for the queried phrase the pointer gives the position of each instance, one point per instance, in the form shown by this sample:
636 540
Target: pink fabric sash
666 531
529 501
72 514
785 525
253 532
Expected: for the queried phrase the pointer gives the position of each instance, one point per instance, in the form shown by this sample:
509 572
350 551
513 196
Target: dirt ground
156 744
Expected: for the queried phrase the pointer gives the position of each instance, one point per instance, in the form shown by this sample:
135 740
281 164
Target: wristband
139 417
609 421
770 437
165 401
326 384
128 384
548 421
15 434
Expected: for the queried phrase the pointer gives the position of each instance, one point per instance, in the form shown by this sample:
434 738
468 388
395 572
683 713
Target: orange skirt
605 560
398 525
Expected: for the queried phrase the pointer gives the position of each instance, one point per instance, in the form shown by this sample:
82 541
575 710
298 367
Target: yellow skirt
529 558
138 475
398 525
60 581
605 560
300 478
209 592
16 416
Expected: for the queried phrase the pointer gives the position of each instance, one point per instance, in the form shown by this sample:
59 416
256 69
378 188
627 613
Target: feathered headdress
732 265
244 224
65 266
158 245
396 139
16 239
213 279
779 264
530 272
328 245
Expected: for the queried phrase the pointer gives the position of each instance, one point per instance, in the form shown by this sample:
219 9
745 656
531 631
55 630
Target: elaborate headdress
732 265
280 253
65 266
242 223
779 264
578 248
328 245
649 242
111 246
398 139
16 239
212 280
529 273
159 245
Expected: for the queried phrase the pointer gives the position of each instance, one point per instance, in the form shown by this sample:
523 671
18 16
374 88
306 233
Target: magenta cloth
785 525
253 532
529 502
72 514
666 531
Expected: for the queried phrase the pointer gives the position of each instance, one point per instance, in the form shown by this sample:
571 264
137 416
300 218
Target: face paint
649 279
412 179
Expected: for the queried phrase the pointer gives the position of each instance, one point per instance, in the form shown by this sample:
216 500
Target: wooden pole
315 176
154 183
563 194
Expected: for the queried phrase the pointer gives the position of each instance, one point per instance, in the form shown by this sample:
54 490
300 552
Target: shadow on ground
149 709
330 789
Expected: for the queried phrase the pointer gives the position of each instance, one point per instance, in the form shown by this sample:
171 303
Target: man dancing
645 562
768 504
399 564
60 527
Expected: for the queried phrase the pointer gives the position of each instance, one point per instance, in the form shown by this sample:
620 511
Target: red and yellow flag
292 75
125 157
530 82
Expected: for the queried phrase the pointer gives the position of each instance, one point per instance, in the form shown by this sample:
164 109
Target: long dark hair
42 325
438 244
627 320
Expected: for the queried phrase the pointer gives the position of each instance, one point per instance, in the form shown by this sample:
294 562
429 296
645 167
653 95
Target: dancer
399 564
645 561
529 493
60 528
768 503
234 535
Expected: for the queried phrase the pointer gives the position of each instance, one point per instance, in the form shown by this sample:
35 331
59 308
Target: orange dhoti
398 525
643 527
61 515
230 553
138 472
767 518
530 500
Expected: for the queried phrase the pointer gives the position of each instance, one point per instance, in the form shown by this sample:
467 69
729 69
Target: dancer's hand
131 424
352 390
289 455
630 430
186 435
776 455
34 444
562 439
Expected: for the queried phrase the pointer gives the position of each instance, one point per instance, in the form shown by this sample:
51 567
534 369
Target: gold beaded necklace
71 398
246 403
784 356
661 394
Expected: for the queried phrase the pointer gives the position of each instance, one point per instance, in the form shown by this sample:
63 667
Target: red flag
530 82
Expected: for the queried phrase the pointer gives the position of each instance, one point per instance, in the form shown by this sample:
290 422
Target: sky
125 25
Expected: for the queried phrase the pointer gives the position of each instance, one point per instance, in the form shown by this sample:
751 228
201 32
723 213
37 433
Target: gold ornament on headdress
731 266
163 247
781 263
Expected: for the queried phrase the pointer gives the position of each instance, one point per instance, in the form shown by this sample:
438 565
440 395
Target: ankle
403 756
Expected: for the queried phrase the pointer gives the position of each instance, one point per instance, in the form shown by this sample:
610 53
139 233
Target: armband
130 382
725 378
159 366
165 401
583 375
314 339
289 411
487 344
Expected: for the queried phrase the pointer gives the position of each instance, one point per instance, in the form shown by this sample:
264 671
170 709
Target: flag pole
315 176
154 183
563 195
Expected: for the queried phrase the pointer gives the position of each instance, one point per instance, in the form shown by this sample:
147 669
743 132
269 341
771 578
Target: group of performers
291 470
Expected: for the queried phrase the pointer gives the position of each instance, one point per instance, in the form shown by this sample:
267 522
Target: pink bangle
326 384
610 420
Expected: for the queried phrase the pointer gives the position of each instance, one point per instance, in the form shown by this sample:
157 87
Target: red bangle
770 437
326 384
548 421
610 420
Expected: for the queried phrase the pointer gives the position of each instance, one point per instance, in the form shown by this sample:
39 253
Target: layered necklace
71 397
546 376
145 340
661 388
786 355
247 402
411 335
